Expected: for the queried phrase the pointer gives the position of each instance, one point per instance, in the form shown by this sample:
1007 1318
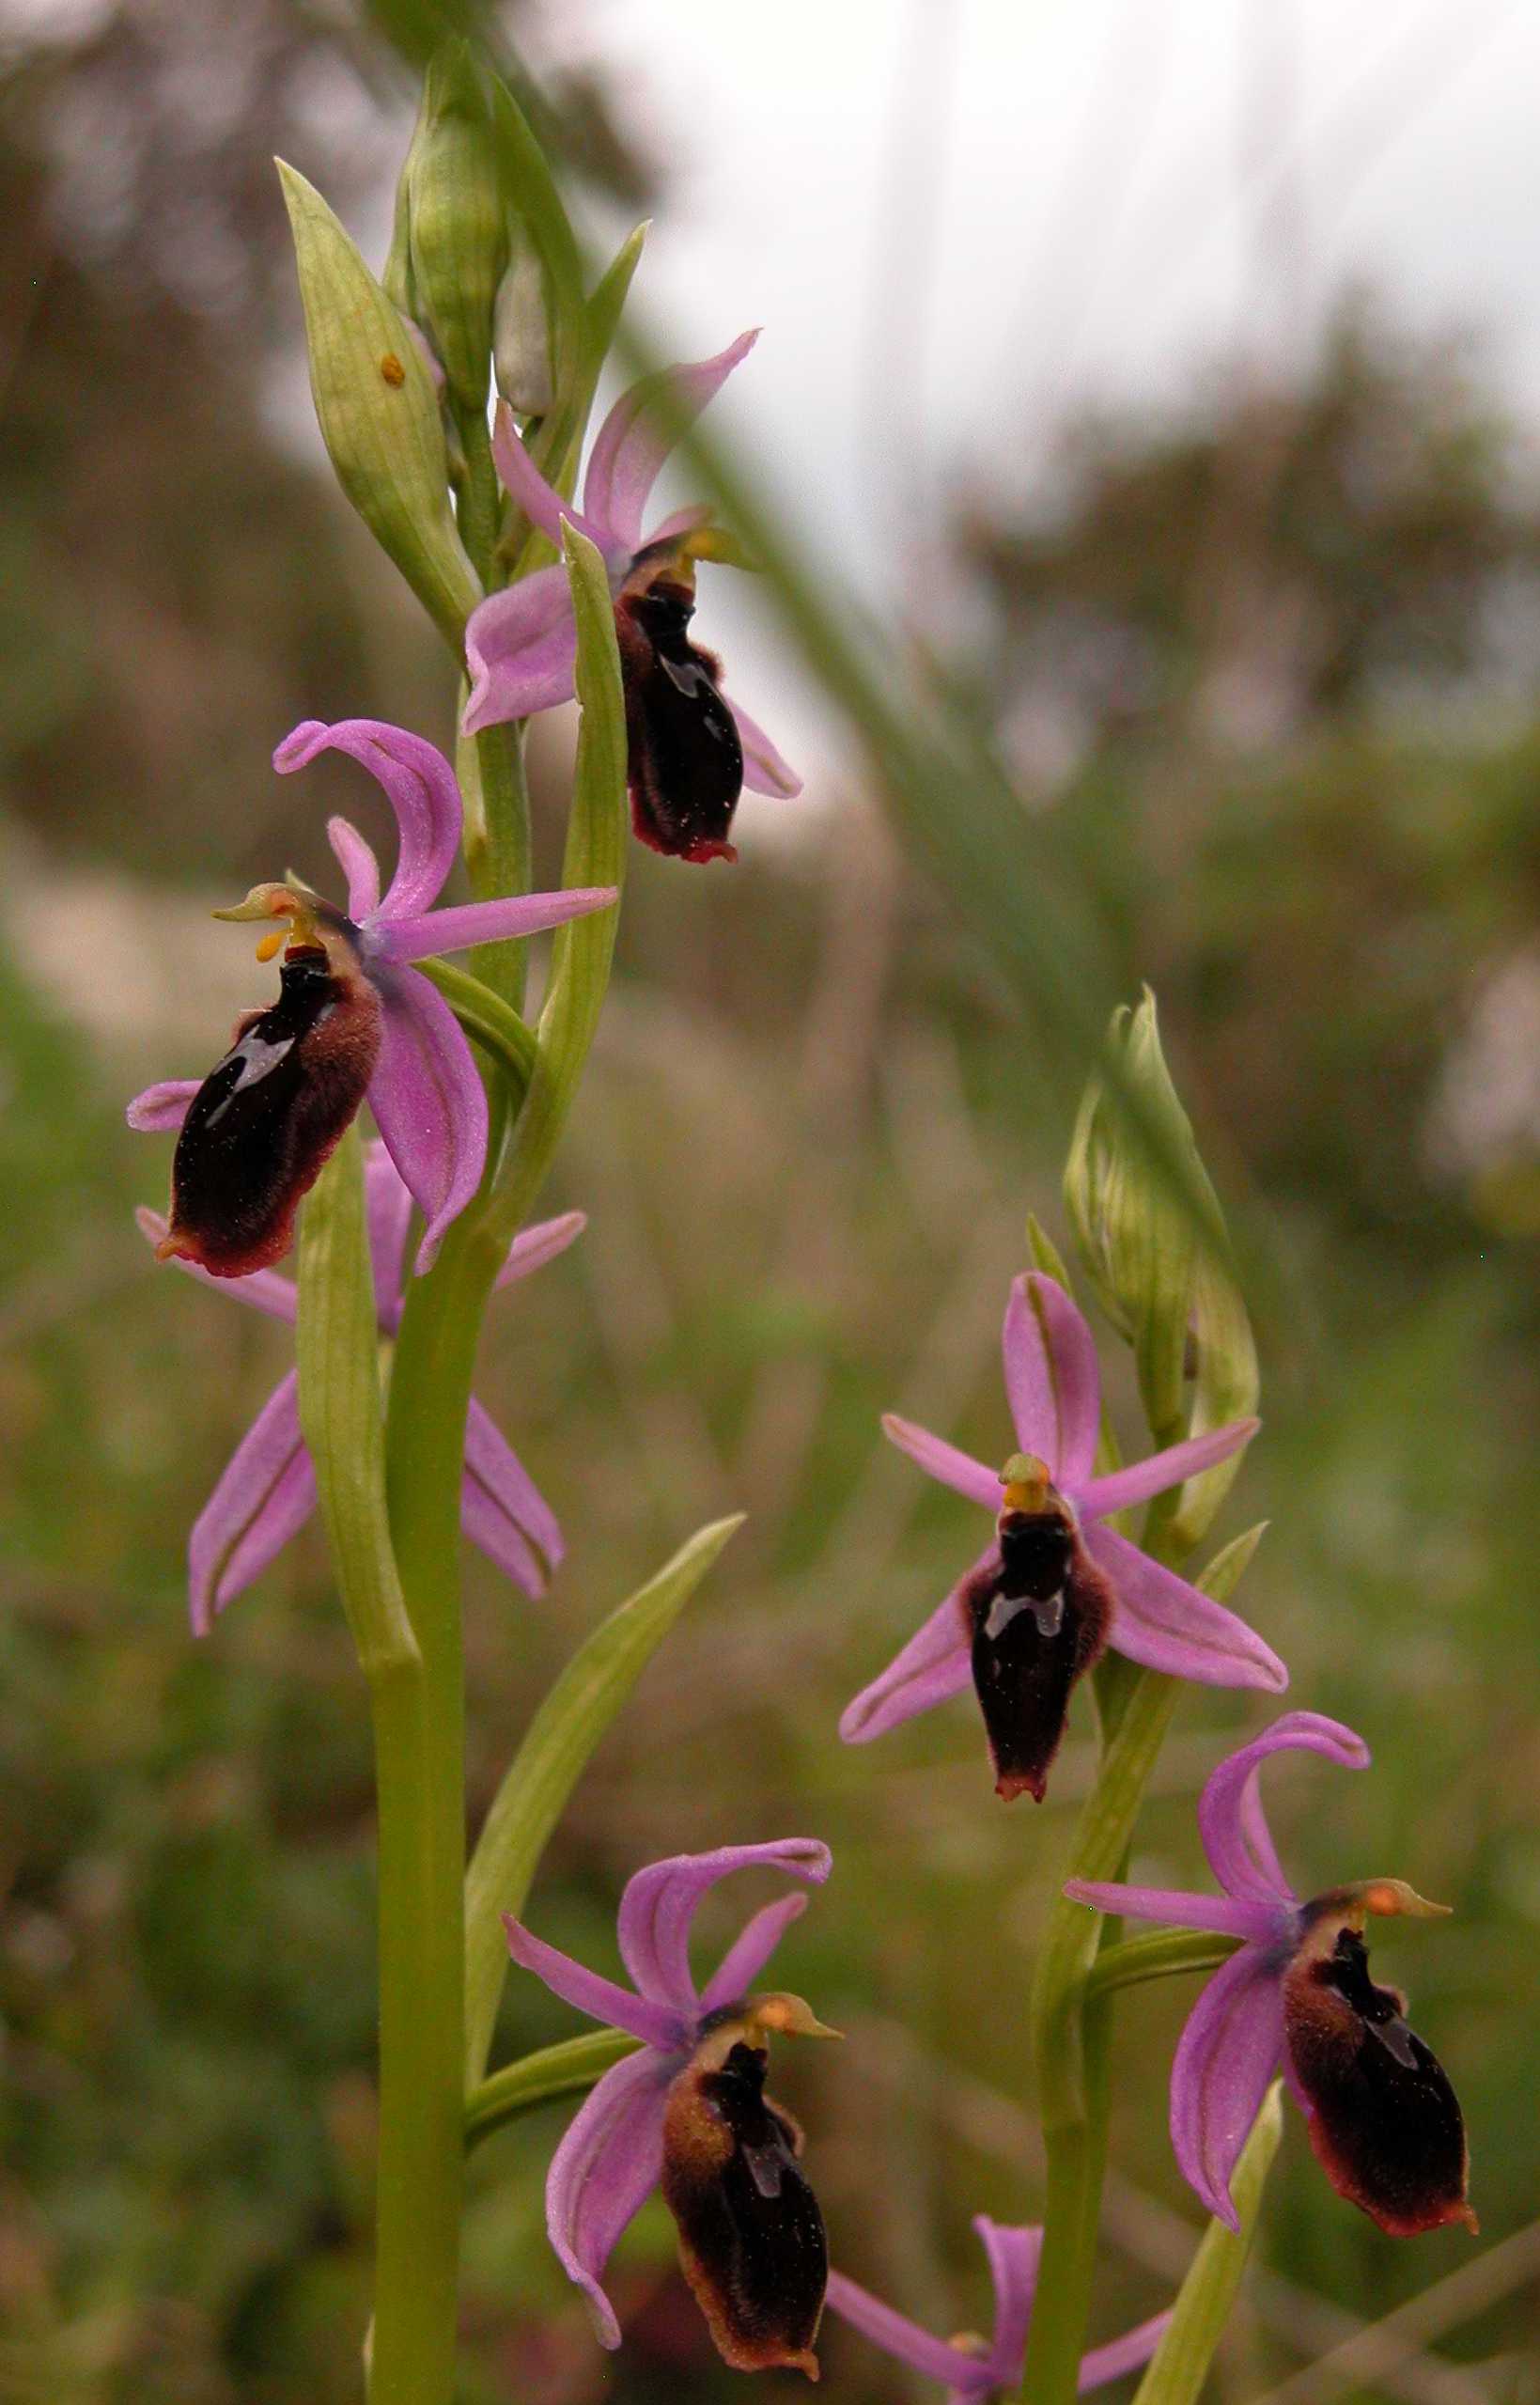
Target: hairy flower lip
1052 1383
612 2156
1383 2119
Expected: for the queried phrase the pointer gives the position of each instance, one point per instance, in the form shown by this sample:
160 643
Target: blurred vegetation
1268 679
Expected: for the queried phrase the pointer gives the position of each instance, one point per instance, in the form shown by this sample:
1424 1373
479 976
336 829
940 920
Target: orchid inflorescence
1058 1586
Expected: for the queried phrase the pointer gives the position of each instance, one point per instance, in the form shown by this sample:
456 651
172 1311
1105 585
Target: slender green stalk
568 2070
417 1770
1071 2014
1164 1954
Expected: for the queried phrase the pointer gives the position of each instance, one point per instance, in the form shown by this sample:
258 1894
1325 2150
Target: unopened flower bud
456 222
521 336
1151 1237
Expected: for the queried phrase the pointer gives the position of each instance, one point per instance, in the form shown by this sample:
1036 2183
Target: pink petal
658 1905
535 1245
542 504
1228 2052
420 787
359 866
906 2341
601 1999
160 1110
1231 1821
266 1494
935 1665
1120 2355
492 1532
387 1207
1163 1622
521 650
1254 1921
602 2174
764 770
1141 1480
749 1951
428 1104
492 1465
499 922
943 1461
1014 2252
264 1290
632 445
1052 1379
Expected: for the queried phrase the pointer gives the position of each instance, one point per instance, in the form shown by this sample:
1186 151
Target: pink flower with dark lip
1024 1641
403 1046
1382 2116
268 1488
972 2370
615 2153
520 645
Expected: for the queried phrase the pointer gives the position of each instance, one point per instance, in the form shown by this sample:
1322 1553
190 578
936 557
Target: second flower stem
1070 2035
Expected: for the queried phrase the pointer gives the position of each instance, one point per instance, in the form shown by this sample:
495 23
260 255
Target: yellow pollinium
1027 1484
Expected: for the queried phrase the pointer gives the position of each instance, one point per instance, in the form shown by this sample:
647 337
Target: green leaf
487 1019
378 411
341 1414
568 2070
548 1765
1181 2363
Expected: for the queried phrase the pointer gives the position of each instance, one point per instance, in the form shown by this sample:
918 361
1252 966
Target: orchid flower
971 2368
691 750
689 2112
352 1016
1055 1587
268 1488
1382 2116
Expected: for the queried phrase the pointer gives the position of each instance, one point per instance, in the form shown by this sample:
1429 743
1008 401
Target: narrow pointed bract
1383 2118
353 1017
268 1490
691 750
1056 1587
689 2113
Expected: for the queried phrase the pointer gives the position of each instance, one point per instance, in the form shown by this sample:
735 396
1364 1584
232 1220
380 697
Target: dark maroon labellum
264 1123
1385 2123
1037 1616
684 760
751 2234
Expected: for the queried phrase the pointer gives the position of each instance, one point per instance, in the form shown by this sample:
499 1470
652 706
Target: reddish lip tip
700 852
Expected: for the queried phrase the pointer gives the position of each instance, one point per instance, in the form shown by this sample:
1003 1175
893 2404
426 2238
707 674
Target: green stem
568 2070
492 764
418 1770
1070 2035
421 2150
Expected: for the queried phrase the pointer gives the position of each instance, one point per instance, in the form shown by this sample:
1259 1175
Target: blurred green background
1279 650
